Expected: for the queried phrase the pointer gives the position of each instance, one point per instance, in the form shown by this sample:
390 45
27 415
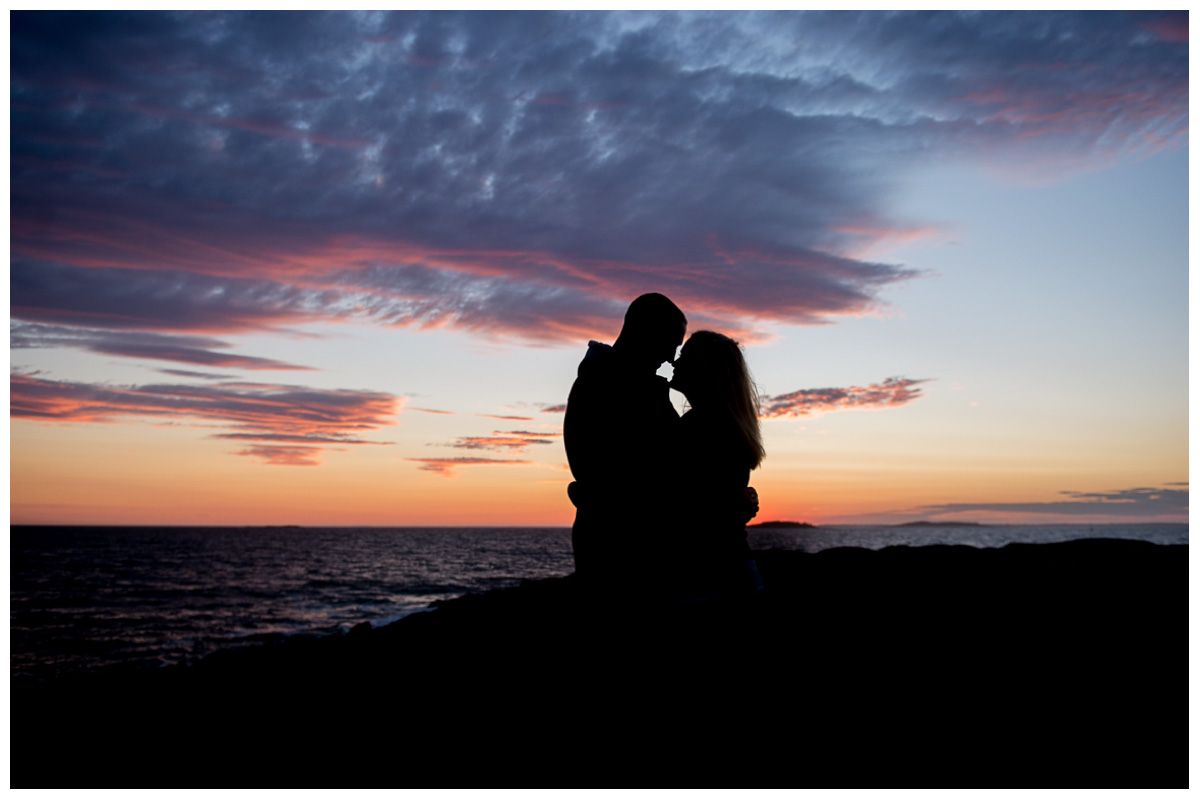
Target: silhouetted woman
718 443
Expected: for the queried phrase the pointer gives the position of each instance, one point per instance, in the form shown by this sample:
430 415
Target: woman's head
711 372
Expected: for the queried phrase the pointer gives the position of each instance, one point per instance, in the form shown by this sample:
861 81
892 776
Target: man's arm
748 498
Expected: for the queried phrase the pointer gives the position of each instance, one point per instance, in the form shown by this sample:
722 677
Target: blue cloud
1139 502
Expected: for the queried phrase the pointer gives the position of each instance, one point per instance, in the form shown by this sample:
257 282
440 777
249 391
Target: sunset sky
339 269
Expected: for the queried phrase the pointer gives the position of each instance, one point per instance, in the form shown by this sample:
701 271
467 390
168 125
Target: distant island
782 524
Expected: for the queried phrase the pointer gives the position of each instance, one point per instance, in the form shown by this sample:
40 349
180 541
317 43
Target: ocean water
95 598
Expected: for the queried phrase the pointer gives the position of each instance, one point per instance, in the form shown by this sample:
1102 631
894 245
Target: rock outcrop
1058 664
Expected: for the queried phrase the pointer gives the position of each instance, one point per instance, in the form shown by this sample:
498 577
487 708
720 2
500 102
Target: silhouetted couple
662 500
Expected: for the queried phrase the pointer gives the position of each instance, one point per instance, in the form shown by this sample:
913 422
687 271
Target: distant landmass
924 523
782 524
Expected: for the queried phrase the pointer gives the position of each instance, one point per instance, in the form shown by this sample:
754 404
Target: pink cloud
892 393
141 345
1128 114
510 441
251 411
277 274
507 417
874 236
1171 28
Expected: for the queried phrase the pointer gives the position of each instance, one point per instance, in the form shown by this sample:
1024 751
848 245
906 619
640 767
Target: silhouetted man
617 430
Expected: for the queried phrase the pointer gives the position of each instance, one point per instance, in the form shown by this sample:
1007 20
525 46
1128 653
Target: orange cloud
448 467
284 456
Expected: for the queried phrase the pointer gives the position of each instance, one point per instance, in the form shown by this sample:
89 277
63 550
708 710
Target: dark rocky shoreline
1059 664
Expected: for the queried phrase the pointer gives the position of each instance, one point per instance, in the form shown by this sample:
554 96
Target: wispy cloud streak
891 393
285 456
253 411
1139 502
187 373
506 441
506 417
141 344
448 467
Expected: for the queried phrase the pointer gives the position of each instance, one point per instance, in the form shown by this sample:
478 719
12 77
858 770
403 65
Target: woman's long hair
724 383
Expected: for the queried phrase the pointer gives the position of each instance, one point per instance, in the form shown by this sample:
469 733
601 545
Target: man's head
654 329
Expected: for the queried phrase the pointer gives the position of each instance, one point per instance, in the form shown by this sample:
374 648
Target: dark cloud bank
527 173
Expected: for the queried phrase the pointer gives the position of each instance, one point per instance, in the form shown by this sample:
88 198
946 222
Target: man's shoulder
607 384
600 358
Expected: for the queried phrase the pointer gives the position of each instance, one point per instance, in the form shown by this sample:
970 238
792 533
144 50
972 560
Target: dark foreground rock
1056 664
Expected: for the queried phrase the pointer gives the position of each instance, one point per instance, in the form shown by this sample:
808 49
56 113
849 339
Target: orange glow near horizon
163 476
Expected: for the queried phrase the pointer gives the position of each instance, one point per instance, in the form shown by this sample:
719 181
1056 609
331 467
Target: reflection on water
813 540
100 596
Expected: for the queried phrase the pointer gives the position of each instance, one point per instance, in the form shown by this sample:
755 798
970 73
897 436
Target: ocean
99 598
